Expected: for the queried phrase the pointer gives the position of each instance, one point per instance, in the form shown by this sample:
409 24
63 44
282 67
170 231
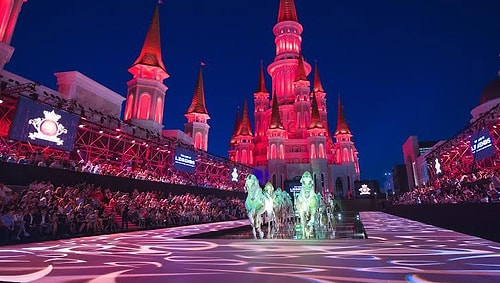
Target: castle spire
275 115
301 71
315 117
245 129
198 102
342 127
287 11
261 86
318 87
151 49
237 121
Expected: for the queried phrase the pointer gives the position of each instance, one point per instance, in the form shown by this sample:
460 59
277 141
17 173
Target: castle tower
276 134
197 116
261 115
244 140
146 91
321 99
9 12
232 142
320 96
302 104
317 147
283 70
345 151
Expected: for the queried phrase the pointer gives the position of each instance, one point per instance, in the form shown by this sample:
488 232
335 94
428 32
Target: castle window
128 111
144 106
159 110
313 151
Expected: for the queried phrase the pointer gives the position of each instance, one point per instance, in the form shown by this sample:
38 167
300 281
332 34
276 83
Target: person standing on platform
125 217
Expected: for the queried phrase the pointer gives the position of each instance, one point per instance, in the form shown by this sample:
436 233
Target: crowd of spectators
43 211
126 169
482 186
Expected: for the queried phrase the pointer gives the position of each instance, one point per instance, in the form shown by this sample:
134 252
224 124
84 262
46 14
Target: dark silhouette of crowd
482 186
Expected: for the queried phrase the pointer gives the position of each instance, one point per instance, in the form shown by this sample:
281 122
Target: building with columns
292 133
9 12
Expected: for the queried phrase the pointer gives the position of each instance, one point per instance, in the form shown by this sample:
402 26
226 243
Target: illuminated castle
292 134
146 93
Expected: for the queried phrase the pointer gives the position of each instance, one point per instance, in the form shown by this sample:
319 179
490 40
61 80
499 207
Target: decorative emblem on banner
48 128
364 190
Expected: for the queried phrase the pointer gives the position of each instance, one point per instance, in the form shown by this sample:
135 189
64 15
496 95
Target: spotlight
1 101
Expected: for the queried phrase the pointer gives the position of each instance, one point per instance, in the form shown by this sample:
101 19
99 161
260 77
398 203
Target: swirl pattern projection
397 250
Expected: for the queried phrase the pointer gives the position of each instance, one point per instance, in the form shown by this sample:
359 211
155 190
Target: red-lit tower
197 116
146 91
261 116
232 142
317 147
288 41
293 135
345 152
243 144
302 103
277 136
320 96
9 12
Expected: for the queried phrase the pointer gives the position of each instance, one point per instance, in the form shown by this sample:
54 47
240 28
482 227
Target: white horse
307 205
269 207
255 204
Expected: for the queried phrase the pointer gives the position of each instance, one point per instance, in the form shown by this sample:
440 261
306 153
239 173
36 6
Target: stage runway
397 250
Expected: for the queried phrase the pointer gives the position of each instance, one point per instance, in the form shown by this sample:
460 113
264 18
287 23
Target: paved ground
397 250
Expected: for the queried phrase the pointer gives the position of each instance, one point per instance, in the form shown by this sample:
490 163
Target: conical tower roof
318 87
245 129
342 127
275 115
261 86
237 121
198 102
287 11
300 75
315 117
151 49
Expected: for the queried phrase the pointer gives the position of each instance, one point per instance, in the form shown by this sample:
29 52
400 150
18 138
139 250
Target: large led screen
44 125
481 145
184 160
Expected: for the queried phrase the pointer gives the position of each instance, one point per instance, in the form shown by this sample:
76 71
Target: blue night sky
402 68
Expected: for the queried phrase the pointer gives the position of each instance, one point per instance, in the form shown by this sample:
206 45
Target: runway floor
397 250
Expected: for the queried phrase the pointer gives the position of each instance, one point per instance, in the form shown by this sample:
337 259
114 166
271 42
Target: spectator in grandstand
125 216
19 226
7 224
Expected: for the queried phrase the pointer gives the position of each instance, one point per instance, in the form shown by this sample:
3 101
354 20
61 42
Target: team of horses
311 211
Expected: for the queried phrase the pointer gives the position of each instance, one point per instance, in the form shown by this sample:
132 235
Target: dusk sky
414 67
